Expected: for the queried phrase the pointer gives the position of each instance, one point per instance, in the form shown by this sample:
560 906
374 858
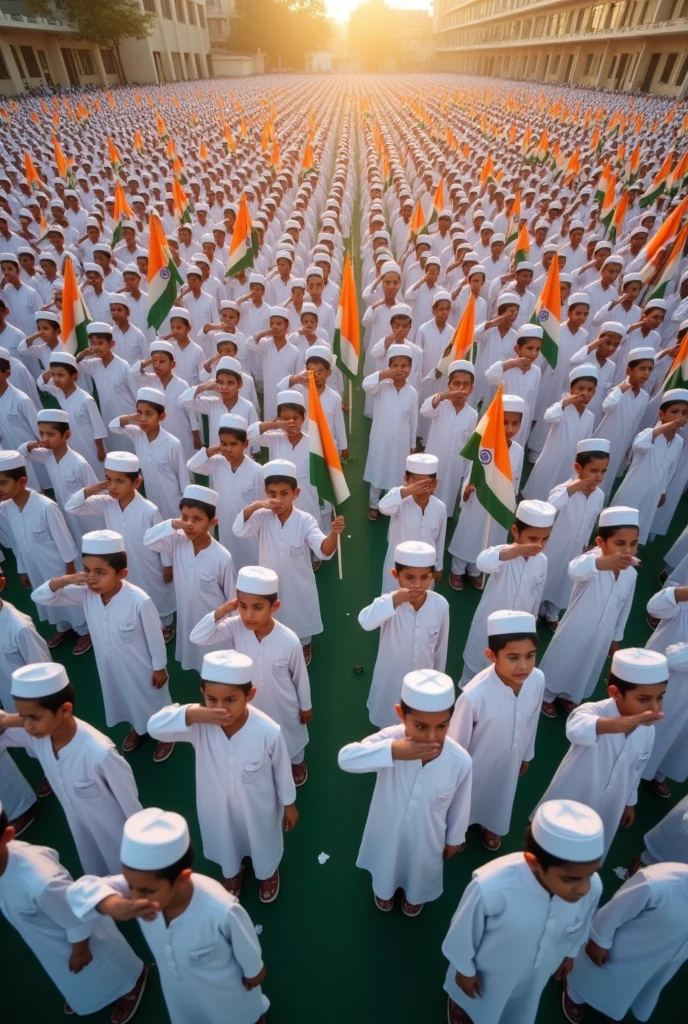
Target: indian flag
75 315
658 183
113 155
346 344
617 220
417 225
462 340
522 249
308 162
547 314
487 175
241 251
661 239
601 190
437 203
678 175
491 476
32 177
138 142
670 269
677 376
633 165
164 280
325 468
181 202
512 227
60 159
122 211
607 206
542 152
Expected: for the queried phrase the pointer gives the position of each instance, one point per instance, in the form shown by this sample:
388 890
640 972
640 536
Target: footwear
373 513
299 773
659 788
162 752
131 741
68 1010
21 823
384 905
572 1011
125 1007
476 582
82 645
456 1014
490 840
552 625
455 581
548 710
168 634
307 653
410 909
233 885
316 563
54 641
652 621
268 888
663 576
568 705
44 789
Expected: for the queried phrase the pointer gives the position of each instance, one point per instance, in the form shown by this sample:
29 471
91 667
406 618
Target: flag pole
351 408
339 555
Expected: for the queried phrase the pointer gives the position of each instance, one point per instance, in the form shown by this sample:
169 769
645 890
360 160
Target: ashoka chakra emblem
485 456
164 273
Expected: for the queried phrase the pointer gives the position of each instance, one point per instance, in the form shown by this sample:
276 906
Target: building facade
632 45
44 51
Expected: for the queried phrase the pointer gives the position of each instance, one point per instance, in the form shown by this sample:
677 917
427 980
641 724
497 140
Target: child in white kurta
668 840
85 422
112 379
670 752
623 410
495 340
512 930
20 643
220 395
277 356
452 421
415 513
18 421
520 375
638 942
599 353
419 810
395 422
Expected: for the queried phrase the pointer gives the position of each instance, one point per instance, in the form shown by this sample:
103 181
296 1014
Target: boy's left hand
524 768
449 850
291 816
160 677
597 954
628 817
564 968
305 716
81 956
338 524
167 574
250 983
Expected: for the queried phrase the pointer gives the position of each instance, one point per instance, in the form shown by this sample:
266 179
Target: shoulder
437 602
135 595
498 876
97 744
212 896
286 635
456 752
262 723
478 684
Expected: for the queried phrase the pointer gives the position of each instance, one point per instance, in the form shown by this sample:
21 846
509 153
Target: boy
230 314
245 793
20 643
319 362
190 924
188 356
126 631
604 348
604 583
160 455
667 841
220 395
623 410
42 544
237 480
87 429
637 944
415 513
611 740
400 328
277 355
110 375
669 753
93 783
452 422
433 337
524 917
281 528
17 415
117 500
395 422
33 899
130 343
517 574
472 527
279 669
227 346
496 718
414 627
495 339
180 422
520 374
419 810
578 502
203 569
654 459
570 422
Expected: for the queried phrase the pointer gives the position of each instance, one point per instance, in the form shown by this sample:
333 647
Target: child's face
632 290
297 293
162 364
309 321
609 345
46 331
390 285
230 699
510 312
640 373
293 421
119 484
119 313
401 363
476 281
676 413
426 726
278 326
10 488
512 424
514 663
232 448
62 378
609 274
564 292
315 287
644 697
654 318
179 329
584 390
285 494
228 384
412 577
594 470
149 418
230 319
143 885
255 610
51 437
101 578
100 346
40 722
320 371
400 327
529 349
195 522
624 541
226 348
538 535
432 273
570 882
441 311
461 383
256 291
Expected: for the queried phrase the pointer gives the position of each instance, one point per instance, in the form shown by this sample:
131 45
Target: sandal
456 1014
131 741
268 888
162 752
373 514
54 641
659 788
548 710
69 1012
476 582
572 1011
24 820
316 563
410 909
233 885
307 653
552 625
168 634
568 705
127 1005
384 905
82 645
299 773
455 581
490 840
44 789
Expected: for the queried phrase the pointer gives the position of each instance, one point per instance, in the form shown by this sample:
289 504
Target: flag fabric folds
488 452
325 467
346 344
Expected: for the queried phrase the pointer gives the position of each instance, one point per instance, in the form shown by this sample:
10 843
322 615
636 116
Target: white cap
415 553
612 327
655 304
428 690
94 268
162 346
153 840
279 311
120 299
290 398
151 395
255 579
675 395
512 298
40 679
102 542
640 665
643 352
230 304
390 267
197 493
463 365
232 421
569 830
441 296
123 462
47 314
513 403
178 311
279 467
321 351
98 327
422 464
229 363
536 513
510 622
11 460
400 309
60 356
227 667
584 370
579 298
525 265
633 278
53 416
530 331
593 444
399 350
619 515
613 260
254 278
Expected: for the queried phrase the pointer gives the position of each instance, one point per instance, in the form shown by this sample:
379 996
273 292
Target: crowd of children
205 407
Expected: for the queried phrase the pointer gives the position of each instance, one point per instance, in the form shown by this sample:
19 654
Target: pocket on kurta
296 550
280 668
253 774
443 798
640 761
86 790
201 957
39 534
209 581
433 634
129 632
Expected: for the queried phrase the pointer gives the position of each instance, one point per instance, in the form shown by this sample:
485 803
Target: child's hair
130 476
545 860
61 427
244 687
14 474
54 701
634 362
195 503
622 686
154 405
101 335
499 641
407 358
231 373
524 341
240 435
291 407
270 598
71 370
520 525
583 458
430 476
281 480
319 360
467 372
590 380
606 532
406 710
399 567
117 560
171 874
5 365
672 401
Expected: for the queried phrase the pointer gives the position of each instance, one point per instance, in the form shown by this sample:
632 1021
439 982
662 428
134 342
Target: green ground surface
331 956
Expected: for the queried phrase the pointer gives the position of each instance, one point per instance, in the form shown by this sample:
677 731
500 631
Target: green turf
330 955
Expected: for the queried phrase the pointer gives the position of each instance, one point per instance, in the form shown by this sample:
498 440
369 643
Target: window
108 59
209 62
166 9
86 62
201 17
669 65
30 62
44 62
587 70
681 75
611 68
179 10
555 64
149 6
4 70
191 11
199 69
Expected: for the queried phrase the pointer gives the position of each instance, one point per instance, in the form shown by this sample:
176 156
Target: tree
106 24
372 34
283 29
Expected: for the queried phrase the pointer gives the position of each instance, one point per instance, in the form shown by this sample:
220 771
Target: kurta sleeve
69 595
115 427
339 427
559 496
62 538
489 560
372 754
281 770
579 356
119 778
246 527
79 505
555 413
97 426
85 894
413 418
462 722
390 503
227 577
377 351
428 410
372 383
162 537
375 614
314 538
583 567
53 901
299 677
584 932
152 628
32 646
466 930
460 807
210 631
180 469
440 659
495 374
632 899
15 737
89 366
581 725
643 441
169 724
612 399
677 657
240 933
188 400
35 455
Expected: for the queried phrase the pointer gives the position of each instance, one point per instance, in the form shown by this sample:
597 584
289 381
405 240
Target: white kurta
16 795
472 530
202 955
670 751
409 640
212 406
286 549
653 463
576 515
202 582
415 811
243 783
511 933
163 466
517 382
597 613
279 673
497 727
450 429
623 412
280 447
602 771
20 644
276 363
516 584
94 785
645 928
125 632
116 395
492 347
18 423
393 433
668 840
566 428
33 899
663 517
236 489
70 474
554 382
408 521
179 421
